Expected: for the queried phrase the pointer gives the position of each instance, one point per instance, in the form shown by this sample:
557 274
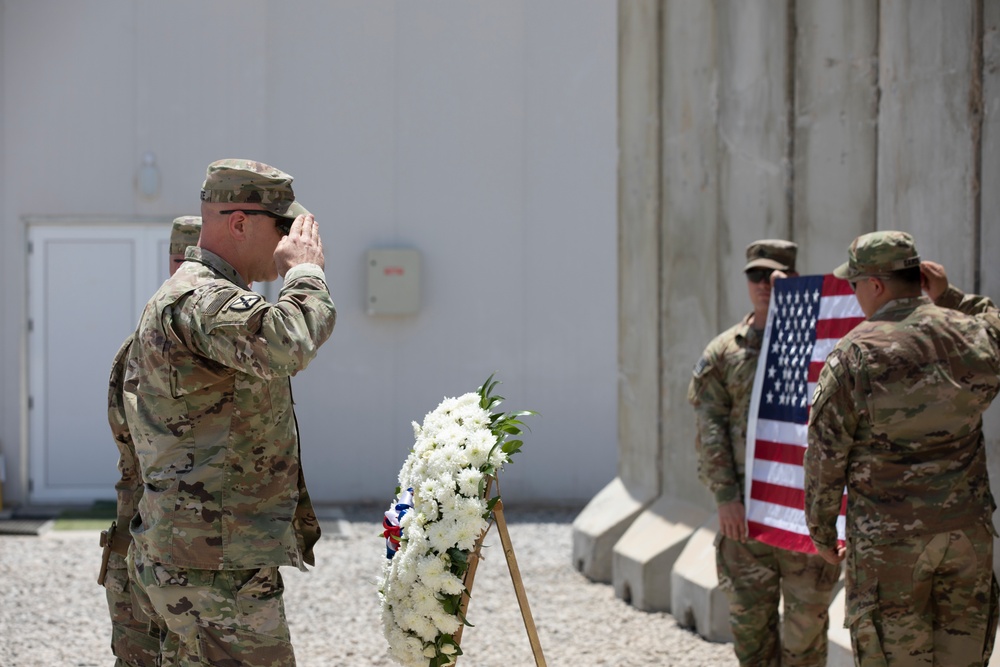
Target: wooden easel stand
515 576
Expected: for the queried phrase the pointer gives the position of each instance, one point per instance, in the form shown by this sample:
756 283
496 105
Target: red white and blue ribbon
393 532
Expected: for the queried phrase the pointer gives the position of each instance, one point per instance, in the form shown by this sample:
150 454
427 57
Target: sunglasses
759 275
283 224
854 283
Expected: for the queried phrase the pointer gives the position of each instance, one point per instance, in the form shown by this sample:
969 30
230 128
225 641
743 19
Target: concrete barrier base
642 560
600 525
696 600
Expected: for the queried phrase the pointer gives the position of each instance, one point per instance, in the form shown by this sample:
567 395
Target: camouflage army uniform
970 304
754 575
134 640
896 417
209 404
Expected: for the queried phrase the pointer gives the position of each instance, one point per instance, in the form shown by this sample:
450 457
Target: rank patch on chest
244 302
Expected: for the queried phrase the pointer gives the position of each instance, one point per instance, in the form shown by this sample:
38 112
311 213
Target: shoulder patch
244 302
700 367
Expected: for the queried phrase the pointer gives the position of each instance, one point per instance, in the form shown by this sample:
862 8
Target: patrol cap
878 253
771 254
250 182
184 232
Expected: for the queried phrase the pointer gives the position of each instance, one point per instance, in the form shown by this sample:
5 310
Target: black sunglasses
759 275
283 224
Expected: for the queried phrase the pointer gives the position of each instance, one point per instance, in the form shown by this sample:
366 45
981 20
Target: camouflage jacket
970 304
129 485
720 393
897 418
208 400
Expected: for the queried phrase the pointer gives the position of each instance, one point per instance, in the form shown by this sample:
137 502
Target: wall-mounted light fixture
148 178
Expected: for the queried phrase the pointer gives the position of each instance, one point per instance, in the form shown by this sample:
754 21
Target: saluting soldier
134 641
897 419
208 403
753 574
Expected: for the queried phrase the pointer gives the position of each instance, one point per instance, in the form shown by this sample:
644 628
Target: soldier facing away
897 419
755 575
134 642
207 396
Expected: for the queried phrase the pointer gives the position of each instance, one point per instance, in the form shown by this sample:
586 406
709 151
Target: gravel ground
53 613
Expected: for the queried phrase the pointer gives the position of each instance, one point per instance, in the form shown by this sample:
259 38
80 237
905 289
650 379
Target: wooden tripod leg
470 574
515 576
470 577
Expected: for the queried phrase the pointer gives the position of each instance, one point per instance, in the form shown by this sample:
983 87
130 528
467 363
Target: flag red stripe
782 539
836 328
814 368
778 495
778 452
834 286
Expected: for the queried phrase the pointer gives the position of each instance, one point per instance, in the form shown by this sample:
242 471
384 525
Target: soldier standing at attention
131 641
897 419
753 574
208 403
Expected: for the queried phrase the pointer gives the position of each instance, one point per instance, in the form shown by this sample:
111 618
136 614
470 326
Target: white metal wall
481 133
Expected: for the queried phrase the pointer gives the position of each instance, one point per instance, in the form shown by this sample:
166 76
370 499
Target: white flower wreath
440 512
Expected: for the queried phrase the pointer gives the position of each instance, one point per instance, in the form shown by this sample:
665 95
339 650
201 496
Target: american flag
806 318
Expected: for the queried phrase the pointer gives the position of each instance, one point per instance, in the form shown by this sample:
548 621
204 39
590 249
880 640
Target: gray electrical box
393 281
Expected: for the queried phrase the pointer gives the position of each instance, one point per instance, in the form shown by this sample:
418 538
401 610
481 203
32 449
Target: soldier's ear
237 224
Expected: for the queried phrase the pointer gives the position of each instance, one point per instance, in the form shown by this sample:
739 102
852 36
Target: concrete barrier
642 560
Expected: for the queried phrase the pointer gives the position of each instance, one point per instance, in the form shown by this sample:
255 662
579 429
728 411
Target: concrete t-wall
799 119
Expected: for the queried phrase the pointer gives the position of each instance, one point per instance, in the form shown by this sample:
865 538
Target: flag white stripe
785 518
782 474
822 348
783 432
838 307
778 516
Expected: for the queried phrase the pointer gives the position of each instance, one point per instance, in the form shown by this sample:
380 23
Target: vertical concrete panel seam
719 275
136 96
877 111
661 295
791 34
976 116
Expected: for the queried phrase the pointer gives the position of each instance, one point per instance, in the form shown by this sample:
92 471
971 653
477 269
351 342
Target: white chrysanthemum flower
498 459
445 491
449 584
445 623
430 569
478 446
468 481
467 533
424 628
426 493
443 534
452 435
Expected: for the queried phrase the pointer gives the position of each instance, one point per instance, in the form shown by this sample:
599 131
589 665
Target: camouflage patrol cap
184 232
250 182
771 254
878 253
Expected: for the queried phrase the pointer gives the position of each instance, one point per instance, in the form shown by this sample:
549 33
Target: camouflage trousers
755 577
222 618
131 641
928 600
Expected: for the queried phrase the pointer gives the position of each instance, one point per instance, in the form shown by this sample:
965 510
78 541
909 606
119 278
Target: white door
87 285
